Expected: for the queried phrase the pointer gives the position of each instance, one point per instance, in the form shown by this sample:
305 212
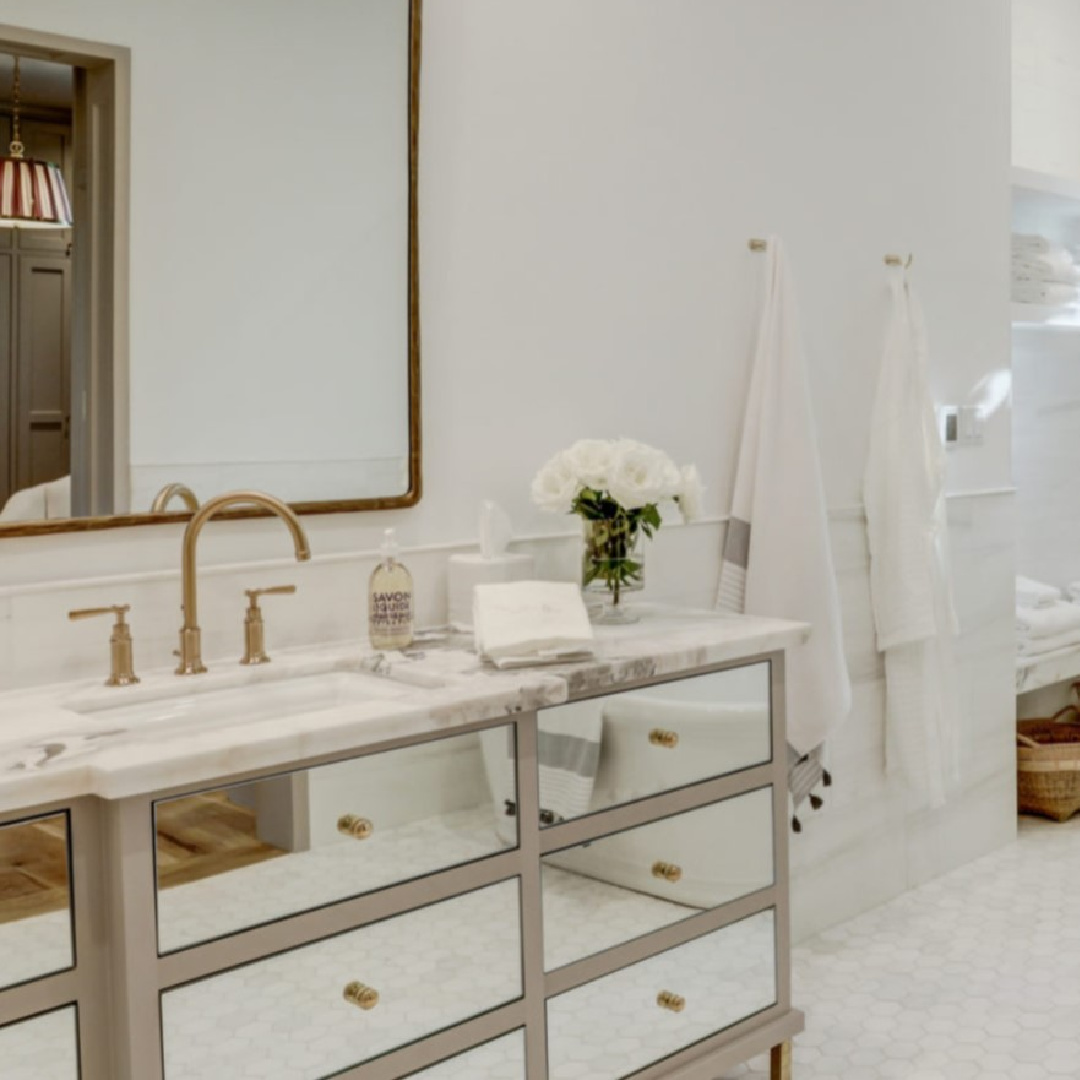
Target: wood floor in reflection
199 836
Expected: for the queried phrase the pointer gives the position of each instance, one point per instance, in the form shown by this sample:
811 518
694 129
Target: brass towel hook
757 244
898 260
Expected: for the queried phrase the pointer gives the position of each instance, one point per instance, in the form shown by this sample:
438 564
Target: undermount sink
249 702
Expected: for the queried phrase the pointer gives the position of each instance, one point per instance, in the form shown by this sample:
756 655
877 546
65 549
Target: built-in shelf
1040 317
1046 184
1035 672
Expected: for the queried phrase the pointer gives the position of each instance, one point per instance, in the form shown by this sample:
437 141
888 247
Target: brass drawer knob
672 1002
667 871
364 997
667 739
359 828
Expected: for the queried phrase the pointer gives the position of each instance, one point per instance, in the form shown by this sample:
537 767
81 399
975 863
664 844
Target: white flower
591 460
641 475
556 485
690 493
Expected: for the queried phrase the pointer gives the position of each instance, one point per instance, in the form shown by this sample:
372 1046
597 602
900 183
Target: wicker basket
1048 764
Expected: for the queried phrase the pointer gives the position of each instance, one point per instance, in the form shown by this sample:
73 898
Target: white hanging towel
777 560
904 493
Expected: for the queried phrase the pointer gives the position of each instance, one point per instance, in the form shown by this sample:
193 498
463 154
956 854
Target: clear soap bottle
390 600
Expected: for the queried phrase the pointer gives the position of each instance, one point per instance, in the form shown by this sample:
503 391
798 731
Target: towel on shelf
1045 268
1030 244
1072 592
914 616
1032 647
776 557
1046 622
1040 292
1034 594
568 756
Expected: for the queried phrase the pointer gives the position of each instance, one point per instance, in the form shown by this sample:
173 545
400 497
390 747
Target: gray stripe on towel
737 542
568 753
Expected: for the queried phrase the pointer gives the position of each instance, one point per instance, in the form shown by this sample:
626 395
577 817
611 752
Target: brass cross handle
254 628
121 650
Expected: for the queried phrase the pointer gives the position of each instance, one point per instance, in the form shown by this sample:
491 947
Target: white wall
590 175
1046 86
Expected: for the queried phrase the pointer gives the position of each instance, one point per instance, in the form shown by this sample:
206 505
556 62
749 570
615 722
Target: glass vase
612 567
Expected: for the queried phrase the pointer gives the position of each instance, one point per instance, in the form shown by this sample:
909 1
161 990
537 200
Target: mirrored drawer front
620 887
501 1059
617 1025
36 932
617 749
252 853
328 1006
45 1047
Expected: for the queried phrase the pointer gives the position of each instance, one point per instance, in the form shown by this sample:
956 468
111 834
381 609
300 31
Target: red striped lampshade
32 195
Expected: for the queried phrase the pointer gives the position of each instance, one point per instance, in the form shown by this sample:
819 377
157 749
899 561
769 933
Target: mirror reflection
251 853
620 887
313 400
617 1025
44 1047
623 747
36 935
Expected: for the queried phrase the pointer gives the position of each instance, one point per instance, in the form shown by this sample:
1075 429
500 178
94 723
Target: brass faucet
171 491
190 636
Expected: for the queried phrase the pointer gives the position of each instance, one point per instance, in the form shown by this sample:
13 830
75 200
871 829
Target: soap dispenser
390 600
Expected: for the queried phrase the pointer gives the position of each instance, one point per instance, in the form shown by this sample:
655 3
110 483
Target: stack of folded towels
1045 621
1043 273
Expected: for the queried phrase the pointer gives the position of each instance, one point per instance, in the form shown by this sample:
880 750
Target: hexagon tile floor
976 975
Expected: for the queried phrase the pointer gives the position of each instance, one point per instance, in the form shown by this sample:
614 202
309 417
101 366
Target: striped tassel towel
776 557
569 755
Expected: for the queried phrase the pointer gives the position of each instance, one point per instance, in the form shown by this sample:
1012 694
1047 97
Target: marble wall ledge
56 744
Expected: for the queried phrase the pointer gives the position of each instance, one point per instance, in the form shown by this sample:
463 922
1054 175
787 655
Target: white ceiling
42 83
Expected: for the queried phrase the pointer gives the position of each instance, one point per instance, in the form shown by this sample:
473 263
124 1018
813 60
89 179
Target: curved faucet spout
170 491
190 635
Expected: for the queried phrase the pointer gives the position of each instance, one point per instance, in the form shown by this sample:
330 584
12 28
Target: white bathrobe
777 560
914 616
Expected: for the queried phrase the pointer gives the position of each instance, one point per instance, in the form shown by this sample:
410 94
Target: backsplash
38 644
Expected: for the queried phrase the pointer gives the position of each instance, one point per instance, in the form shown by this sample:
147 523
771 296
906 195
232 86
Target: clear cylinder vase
612 567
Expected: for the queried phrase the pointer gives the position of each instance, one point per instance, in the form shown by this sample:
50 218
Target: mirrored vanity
568 873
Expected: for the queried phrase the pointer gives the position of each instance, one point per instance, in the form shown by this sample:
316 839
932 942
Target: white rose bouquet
615 486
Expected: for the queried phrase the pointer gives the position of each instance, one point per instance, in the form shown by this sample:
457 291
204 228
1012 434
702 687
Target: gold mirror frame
114 66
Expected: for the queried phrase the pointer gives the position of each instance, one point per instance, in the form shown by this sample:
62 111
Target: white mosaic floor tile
42 1048
502 1059
975 976
39 945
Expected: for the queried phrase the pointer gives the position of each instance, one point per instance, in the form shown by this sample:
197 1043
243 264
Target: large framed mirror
316 400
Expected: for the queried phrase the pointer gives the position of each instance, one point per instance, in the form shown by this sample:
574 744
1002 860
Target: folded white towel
1041 292
1034 594
1047 622
1053 269
1072 592
519 622
1042 646
1027 242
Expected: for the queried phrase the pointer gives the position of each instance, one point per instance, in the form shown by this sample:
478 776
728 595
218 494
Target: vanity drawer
500 1059
620 748
617 1025
295 842
336 1003
622 886
45 1047
37 936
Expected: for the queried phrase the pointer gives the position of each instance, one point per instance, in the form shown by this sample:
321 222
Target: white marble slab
49 751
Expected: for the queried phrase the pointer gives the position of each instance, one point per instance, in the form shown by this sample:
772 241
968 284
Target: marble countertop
74 739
